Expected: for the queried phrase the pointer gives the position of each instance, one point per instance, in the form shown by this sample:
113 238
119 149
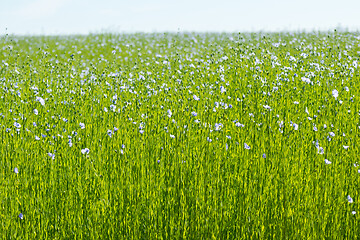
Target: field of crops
180 136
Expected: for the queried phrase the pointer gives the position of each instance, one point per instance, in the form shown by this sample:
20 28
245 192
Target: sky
54 17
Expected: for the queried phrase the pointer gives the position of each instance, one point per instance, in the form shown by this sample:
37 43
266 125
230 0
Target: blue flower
21 216
109 132
246 146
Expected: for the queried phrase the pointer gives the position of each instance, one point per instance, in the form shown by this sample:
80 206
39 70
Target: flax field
180 136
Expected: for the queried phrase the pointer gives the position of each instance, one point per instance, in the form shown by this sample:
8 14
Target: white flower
172 136
85 151
327 161
82 125
246 146
305 79
296 127
41 100
239 124
320 150
169 113
222 89
335 93
345 147
355 64
36 112
218 126
113 107
350 200
196 98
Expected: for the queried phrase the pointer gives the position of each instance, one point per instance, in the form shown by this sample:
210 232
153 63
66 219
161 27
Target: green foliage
180 136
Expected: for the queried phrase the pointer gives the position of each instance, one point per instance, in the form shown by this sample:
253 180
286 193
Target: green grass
150 174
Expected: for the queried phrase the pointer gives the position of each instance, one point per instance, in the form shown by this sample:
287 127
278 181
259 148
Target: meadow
180 136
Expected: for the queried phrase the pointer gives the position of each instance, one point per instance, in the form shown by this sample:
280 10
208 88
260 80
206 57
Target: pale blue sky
85 16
